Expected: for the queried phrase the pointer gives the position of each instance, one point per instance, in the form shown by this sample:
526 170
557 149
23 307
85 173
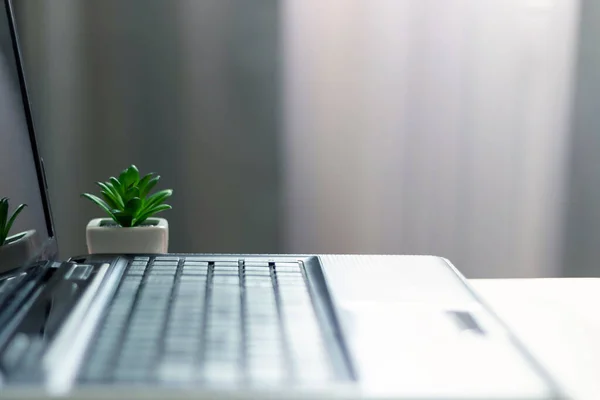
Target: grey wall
185 88
582 234
429 127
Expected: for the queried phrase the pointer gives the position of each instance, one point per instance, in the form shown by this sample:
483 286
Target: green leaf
117 185
102 204
123 177
123 218
144 181
148 213
146 185
3 217
131 193
159 208
116 198
133 206
14 216
129 177
109 199
157 198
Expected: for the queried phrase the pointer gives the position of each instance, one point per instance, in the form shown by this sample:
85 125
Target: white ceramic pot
104 238
18 250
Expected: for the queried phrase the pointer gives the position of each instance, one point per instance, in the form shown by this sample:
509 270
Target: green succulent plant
127 199
6 222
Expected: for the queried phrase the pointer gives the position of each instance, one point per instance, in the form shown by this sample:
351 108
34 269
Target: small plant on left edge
5 222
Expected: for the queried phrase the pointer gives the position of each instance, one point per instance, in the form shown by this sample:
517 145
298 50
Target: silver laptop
232 326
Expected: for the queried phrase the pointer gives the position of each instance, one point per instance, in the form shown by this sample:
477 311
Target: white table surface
558 319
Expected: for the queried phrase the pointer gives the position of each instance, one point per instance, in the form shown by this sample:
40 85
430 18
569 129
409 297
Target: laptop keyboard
192 320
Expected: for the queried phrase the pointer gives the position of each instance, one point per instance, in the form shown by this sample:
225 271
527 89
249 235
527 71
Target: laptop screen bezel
52 248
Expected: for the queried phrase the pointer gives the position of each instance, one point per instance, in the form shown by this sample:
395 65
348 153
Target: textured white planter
117 240
18 250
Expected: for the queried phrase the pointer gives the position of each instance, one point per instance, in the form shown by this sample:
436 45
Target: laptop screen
20 170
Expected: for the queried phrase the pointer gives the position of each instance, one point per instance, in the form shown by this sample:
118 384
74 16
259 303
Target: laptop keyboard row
191 320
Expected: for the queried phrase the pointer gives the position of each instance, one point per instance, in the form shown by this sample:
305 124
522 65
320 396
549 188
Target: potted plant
15 250
129 228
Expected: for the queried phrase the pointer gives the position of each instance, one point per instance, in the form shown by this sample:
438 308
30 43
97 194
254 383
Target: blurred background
467 129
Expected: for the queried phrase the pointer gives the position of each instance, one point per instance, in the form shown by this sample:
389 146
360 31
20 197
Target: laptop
156 326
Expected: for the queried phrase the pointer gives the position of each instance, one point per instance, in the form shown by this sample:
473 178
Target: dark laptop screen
19 173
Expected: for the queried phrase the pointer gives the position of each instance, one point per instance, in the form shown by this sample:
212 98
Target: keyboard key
137 267
196 311
291 265
153 299
192 266
216 334
182 352
184 341
225 263
135 359
230 352
166 258
294 291
188 303
259 284
264 352
130 285
225 280
176 372
157 268
218 372
187 309
226 294
160 280
163 271
286 264
257 271
258 275
94 374
194 284
195 259
313 374
259 294
262 334
290 279
194 271
261 306
261 376
253 263
176 328
255 360
253 274
183 356
226 269
131 375
163 267
192 263
201 279
289 275
288 270
261 291
183 300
